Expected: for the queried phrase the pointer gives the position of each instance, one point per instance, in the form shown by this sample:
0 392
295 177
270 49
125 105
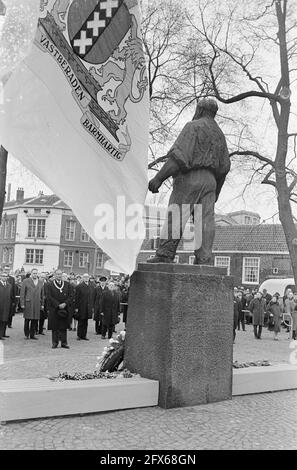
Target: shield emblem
97 27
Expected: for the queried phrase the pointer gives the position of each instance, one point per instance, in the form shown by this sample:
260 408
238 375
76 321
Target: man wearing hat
198 161
101 287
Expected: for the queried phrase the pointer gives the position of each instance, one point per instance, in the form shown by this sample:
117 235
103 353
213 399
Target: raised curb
264 379
39 398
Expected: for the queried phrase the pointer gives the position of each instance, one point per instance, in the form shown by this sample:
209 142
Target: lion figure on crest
132 56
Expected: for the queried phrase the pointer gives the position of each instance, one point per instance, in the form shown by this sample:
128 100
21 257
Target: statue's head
206 107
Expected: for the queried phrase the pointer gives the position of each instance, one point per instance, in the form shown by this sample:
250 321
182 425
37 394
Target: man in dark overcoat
84 306
101 287
257 308
11 281
6 299
110 309
58 300
44 312
32 302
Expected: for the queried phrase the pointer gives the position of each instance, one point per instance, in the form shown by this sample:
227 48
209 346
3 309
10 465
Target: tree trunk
3 169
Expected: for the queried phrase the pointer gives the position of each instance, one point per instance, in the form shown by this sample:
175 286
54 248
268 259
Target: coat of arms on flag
96 45
76 112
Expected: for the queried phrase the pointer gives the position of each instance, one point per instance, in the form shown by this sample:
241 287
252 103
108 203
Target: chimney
8 192
20 194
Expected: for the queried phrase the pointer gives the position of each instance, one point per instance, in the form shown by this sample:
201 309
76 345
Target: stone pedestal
180 332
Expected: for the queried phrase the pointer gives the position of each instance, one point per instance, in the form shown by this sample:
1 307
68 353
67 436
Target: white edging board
264 379
40 398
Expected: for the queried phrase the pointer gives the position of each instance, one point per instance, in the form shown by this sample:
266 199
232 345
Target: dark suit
110 306
11 281
6 298
56 322
44 312
84 303
97 317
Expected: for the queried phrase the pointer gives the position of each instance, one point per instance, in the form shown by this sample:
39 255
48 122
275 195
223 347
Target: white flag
76 113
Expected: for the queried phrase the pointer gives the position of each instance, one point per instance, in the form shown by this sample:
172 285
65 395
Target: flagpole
3 171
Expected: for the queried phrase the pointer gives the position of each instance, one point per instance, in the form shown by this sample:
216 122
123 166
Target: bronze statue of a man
198 161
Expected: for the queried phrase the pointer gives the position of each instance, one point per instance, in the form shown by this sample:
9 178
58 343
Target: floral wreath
108 366
112 356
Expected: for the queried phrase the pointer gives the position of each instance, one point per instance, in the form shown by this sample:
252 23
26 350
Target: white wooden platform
40 398
264 379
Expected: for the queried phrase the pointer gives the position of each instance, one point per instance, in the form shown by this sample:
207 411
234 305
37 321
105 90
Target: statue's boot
159 259
200 259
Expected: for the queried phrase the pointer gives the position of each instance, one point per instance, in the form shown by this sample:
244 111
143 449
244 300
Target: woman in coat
257 307
290 305
274 315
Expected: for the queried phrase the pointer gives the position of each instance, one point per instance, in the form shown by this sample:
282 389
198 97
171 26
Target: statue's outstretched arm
170 168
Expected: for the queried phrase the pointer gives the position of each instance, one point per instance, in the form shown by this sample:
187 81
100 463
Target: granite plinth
180 332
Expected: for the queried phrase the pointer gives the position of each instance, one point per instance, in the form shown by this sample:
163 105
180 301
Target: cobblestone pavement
29 359
263 421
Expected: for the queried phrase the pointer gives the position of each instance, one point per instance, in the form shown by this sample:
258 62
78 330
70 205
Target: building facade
43 233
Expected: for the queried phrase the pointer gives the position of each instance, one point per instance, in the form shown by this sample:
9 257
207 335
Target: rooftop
250 238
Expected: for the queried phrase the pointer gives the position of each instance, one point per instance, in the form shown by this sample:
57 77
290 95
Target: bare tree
238 48
174 81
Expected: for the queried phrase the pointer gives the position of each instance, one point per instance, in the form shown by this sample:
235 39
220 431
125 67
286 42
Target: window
38 256
34 256
250 270
223 262
99 260
70 230
247 220
84 237
10 256
5 255
191 259
156 243
68 259
83 259
12 228
36 228
255 221
6 229
176 259
29 256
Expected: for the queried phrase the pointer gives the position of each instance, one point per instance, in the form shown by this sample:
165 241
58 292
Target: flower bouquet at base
113 355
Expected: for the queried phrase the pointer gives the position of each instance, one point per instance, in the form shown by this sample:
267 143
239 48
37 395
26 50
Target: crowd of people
67 302
265 310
